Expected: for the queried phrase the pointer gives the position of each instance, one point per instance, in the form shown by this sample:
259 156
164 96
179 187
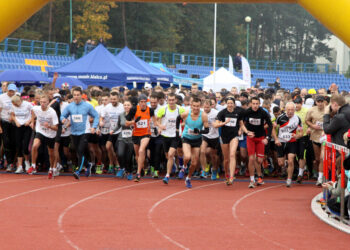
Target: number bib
126 133
142 124
104 130
319 124
255 121
232 122
77 118
191 132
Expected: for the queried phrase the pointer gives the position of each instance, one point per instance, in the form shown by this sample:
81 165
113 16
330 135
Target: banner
246 71
230 64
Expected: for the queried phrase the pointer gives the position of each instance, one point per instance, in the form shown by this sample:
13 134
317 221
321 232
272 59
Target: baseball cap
298 99
312 91
320 98
12 87
148 86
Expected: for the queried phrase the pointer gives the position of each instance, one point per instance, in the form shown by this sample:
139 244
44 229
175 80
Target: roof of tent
222 79
156 75
102 68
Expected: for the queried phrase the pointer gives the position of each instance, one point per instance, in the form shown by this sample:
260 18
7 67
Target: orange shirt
142 127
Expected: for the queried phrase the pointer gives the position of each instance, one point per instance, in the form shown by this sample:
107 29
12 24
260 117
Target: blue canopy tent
156 75
100 67
72 82
21 77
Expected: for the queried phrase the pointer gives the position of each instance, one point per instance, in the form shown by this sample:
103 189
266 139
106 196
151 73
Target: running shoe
196 174
19 170
152 171
181 174
76 175
110 169
10 168
251 184
203 175
166 180
27 165
207 168
236 171
129 176
98 169
50 174
55 172
120 173
31 170
288 183
319 183
137 178
173 170
188 183
260 181
88 170
299 179
230 181
213 174
155 174
59 167
217 175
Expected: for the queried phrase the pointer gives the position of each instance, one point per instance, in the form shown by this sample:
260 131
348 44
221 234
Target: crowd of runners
173 132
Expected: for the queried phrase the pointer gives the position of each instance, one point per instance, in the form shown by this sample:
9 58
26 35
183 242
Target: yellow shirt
302 115
94 102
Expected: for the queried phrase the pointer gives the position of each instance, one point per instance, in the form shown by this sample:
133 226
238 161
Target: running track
106 213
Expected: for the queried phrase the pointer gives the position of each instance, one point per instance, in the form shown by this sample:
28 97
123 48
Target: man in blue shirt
79 112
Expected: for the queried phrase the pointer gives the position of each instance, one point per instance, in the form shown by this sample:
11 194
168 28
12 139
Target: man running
194 120
79 112
255 118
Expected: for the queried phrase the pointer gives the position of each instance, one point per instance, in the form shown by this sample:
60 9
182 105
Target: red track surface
105 213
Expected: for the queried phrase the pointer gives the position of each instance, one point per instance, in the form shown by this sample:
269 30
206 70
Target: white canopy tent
223 79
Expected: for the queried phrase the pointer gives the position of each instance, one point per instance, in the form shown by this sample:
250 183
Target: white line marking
165 199
60 218
234 213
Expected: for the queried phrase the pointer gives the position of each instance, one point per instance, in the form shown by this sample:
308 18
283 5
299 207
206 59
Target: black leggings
80 143
155 146
8 131
125 153
22 139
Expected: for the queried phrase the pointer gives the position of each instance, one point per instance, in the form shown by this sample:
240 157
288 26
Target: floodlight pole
70 22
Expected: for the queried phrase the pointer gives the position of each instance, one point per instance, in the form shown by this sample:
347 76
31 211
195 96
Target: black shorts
287 148
316 143
212 143
50 142
227 138
58 134
302 145
272 145
113 138
93 138
169 142
65 141
102 139
196 143
137 139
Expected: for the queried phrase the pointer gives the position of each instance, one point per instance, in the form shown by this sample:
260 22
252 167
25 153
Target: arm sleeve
269 123
54 117
122 120
332 126
131 114
94 114
65 113
220 116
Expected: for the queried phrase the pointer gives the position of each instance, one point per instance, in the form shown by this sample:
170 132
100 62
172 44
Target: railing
34 47
329 164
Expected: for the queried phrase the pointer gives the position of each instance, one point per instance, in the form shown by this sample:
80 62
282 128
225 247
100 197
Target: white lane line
234 213
61 216
163 200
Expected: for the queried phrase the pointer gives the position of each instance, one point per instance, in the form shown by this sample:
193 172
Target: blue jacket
79 116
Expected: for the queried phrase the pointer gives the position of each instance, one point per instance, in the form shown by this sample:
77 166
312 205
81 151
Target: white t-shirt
113 113
48 116
67 130
6 107
213 132
105 128
23 112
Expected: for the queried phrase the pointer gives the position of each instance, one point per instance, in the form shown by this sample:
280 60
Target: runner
79 112
314 119
194 121
229 119
167 124
290 130
21 116
46 130
141 114
255 118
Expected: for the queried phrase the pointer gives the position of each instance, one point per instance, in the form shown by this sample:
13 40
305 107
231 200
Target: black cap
298 99
320 98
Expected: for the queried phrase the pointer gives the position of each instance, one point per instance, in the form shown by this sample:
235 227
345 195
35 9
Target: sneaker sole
76 176
165 182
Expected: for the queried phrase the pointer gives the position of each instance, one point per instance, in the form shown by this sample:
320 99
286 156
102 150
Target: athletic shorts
58 134
137 139
316 143
272 146
242 143
227 139
287 148
93 138
212 143
50 142
256 146
169 142
196 143
65 141
302 145
113 138
102 139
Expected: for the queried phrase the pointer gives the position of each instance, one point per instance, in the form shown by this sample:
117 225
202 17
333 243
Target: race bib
232 122
171 123
241 137
126 133
286 137
104 130
319 124
141 124
191 132
255 121
77 118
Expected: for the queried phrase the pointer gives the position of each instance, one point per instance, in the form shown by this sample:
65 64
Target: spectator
277 84
257 84
101 41
74 47
333 89
238 62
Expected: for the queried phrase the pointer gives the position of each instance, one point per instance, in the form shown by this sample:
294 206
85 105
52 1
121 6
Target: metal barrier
329 164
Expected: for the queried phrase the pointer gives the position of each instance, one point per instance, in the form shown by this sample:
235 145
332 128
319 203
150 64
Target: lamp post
248 19
70 22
